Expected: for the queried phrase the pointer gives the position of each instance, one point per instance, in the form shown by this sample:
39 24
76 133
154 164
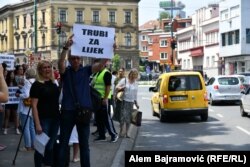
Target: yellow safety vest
99 84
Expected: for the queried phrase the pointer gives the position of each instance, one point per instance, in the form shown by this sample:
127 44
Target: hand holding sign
69 42
93 41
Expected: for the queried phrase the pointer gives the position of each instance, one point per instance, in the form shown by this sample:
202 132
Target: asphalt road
224 130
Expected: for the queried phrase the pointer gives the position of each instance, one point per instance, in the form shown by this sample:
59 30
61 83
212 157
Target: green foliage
164 15
116 61
141 68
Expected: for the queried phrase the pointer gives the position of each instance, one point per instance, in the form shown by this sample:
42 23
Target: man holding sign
75 85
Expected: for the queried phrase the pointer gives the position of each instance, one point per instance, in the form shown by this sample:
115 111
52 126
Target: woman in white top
130 87
28 129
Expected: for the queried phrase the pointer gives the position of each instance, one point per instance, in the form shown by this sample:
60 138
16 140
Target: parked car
155 75
145 77
224 88
246 79
245 105
179 93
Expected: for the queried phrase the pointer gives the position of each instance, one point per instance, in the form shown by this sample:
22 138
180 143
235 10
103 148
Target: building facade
17 27
235 36
198 44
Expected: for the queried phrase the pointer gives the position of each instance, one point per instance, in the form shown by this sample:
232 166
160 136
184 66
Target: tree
164 15
116 61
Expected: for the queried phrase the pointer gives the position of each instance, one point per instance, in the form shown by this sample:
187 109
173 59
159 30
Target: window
230 38
31 41
127 17
43 40
144 48
163 56
128 39
79 16
184 64
150 41
96 16
31 20
17 43
143 38
213 61
207 61
24 21
224 15
112 16
62 15
223 37
128 64
237 37
24 42
43 17
184 83
247 35
163 43
17 22
234 11
188 63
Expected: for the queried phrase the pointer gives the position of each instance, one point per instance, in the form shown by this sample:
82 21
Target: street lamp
35 25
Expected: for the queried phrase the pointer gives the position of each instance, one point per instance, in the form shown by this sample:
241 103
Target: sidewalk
103 154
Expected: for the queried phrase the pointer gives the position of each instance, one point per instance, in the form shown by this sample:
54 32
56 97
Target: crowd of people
59 119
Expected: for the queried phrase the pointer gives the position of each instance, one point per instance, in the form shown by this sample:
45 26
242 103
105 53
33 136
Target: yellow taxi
180 93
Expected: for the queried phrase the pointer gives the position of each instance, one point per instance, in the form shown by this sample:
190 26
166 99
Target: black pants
104 122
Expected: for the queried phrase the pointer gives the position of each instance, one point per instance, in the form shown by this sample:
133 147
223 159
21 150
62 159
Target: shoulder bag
120 94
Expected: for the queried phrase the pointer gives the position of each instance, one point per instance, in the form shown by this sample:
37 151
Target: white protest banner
12 97
9 60
93 41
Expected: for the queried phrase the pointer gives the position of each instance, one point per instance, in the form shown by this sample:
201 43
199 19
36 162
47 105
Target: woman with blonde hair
44 95
130 88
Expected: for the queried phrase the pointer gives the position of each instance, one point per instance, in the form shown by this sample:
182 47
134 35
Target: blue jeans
50 126
28 130
68 120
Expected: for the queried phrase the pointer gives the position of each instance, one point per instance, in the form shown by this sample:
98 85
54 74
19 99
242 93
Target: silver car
224 88
245 105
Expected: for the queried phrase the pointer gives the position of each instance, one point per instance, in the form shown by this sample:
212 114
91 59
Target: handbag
120 94
136 118
27 102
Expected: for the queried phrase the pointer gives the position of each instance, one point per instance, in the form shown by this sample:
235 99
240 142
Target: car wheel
242 112
153 112
211 100
162 119
204 117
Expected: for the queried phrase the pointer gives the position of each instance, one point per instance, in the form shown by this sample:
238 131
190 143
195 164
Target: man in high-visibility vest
102 83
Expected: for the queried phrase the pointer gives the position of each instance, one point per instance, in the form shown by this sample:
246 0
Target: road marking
219 115
211 110
146 98
243 130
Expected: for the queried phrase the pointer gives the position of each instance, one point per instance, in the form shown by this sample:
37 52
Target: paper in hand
40 142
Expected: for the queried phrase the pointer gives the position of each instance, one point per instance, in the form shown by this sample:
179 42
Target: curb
127 144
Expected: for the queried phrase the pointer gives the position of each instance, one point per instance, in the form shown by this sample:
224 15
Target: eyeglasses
44 67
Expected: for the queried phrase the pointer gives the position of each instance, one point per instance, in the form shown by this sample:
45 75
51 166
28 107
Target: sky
149 9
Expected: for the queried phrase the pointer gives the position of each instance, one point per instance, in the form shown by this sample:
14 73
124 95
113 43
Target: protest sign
12 95
9 60
93 41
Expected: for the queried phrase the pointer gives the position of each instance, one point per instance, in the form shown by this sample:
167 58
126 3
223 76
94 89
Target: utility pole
35 24
172 35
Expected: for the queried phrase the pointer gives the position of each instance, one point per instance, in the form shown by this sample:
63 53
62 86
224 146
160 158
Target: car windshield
185 82
228 81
